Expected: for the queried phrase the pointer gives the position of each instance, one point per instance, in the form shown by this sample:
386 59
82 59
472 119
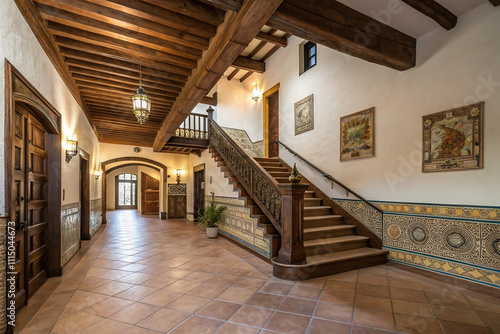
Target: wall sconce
256 91
178 176
71 148
97 174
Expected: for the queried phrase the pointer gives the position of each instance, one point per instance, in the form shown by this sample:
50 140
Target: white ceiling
409 20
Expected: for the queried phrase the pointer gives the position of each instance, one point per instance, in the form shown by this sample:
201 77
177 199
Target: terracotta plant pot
212 232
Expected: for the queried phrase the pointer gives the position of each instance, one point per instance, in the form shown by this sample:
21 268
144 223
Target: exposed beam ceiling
435 11
231 39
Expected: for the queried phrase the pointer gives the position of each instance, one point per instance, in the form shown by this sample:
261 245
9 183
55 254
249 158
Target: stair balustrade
195 126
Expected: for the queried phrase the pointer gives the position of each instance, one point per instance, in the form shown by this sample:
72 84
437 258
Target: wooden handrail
328 176
259 184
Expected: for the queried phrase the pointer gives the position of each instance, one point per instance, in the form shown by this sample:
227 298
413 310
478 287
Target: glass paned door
126 191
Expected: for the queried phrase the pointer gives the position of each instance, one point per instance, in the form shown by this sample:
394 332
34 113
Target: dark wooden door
199 192
176 206
150 199
273 124
84 199
29 203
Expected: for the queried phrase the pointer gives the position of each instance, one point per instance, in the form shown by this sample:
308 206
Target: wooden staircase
255 211
331 245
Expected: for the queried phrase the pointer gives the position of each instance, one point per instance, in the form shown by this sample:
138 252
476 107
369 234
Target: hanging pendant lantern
141 102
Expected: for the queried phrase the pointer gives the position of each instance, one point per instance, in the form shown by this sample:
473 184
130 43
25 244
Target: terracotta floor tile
136 278
288 323
257 274
112 288
219 309
298 305
213 268
412 308
83 299
134 313
458 315
198 325
305 292
373 303
337 297
265 300
276 288
408 294
139 330
373 271
236 272
340 286
491 319
199 277
335 312
159 282
349 276
224 280
207 290
375 319
161 297
136 293
451 327
368 330
91 282
75 322
372 290
249 283
182 286
373 280
414 324
404 284
252 316
315 283
107 326
448 298
163 320
154 270
187 303
108 306
177 273
482 305
320 326
230 328
236 295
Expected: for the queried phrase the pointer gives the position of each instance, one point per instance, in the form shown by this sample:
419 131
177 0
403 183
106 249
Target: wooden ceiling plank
232 5
273 50
116 106
192 9
339 27
231 39
121 94
132 36
260 46
270 38
233 73
128 21
121 97
161 15
435 11
106 88
37 25
119 55
121 64
244 63
246 76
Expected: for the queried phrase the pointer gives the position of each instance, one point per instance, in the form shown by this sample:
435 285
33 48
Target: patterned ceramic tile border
70 230
364 213
238 225
253 149
3 275
95 215
468 236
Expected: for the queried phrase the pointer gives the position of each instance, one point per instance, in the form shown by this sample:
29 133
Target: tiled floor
143 275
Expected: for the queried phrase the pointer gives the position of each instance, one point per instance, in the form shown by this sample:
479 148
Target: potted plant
208 219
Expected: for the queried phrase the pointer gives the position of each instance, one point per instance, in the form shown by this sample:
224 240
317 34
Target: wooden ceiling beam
161 15
119 55
106 88
435 11
246 76
233 73
270 38
274 49
144 143
194 9
129 81
120 106
120 64
210 100
115 96
37 25
76 65
232 5
247 64
232 37
125 101
124 20
132 36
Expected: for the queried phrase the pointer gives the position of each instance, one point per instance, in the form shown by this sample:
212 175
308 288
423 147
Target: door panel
199 192
273 126
177 206
150 199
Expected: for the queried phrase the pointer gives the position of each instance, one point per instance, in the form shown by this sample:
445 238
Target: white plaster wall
453 69
19 46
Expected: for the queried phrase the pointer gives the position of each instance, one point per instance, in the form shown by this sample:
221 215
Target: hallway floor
145 275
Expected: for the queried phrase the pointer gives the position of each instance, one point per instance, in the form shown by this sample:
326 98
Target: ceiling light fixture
141 102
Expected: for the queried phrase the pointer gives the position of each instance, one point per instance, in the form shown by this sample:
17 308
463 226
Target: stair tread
344 255
327 228
323 217
317 207
333 240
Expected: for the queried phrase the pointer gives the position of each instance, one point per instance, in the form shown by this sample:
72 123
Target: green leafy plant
211 215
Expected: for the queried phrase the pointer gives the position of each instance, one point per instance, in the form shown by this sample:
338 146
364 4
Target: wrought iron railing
261 186
194 126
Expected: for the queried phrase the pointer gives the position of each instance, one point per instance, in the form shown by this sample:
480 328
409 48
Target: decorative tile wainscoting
3 274
70 231
461 241
95 215
253 149
238 225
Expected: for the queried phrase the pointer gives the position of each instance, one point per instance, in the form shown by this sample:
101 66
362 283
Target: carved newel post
292 217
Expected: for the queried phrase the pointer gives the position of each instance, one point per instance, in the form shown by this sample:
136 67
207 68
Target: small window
309 55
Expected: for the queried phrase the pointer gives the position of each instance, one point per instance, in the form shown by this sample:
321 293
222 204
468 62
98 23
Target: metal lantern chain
141 102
